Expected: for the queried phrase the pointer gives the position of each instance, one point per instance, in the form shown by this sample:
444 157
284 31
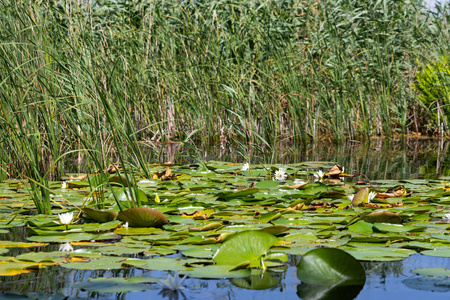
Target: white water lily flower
319 176
447 217
371 196
65 247
65 219
125 225
280 175
172 283
64 185
245 167
351 197
299 181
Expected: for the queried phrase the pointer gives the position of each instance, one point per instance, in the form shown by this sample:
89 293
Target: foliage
433 84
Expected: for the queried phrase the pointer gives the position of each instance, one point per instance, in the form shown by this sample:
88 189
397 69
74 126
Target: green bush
433 84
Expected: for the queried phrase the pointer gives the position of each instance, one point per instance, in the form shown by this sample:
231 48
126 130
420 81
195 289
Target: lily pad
245 246
255 282
116 285
100 215
329 266
217 271
439 272
143 217
383 216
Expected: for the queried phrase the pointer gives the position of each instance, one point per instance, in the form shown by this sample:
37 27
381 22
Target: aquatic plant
66 219
173 282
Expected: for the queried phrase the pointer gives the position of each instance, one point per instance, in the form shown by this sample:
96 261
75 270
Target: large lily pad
99 215
143 217
383 216
329 266
245 246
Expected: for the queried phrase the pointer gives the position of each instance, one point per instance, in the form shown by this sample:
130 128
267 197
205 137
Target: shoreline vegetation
97 78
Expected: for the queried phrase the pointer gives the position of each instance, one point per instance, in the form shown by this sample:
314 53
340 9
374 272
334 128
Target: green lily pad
100 263
386 227
16 268
437 252
217 271
439 272
99 215
361 227
116 285
245 246
143 217
383 216
255 282
329 266
160 264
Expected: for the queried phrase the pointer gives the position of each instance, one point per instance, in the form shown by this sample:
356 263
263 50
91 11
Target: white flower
245 167
66 218
280 175
299 181
371 196
125 225
351 197
447 217
64 185
319 176
65 247
172 283
342 172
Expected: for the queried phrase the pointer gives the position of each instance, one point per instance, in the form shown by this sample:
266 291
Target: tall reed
109 79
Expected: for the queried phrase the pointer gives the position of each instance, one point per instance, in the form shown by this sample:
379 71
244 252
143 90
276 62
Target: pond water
378 160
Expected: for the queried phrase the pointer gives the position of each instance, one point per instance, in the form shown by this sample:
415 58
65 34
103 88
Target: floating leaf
437 252
100 215
328 266
15 268
143 217
383 216
255 282
116 285
160 263
439 272
245 246
217 271
386 227
360 197
361 227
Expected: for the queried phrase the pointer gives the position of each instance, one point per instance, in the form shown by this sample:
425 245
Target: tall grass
109 79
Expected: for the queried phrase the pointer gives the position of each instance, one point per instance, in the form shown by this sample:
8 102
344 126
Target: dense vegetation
109 78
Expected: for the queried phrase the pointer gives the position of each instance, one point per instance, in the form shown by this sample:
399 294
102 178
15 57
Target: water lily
63 185
280 174
319 176
371 196
125 225
447 217
172 283
245 167
65 247
351 197
66 219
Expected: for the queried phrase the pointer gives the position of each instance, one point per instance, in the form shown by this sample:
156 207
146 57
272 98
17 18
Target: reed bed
111 79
